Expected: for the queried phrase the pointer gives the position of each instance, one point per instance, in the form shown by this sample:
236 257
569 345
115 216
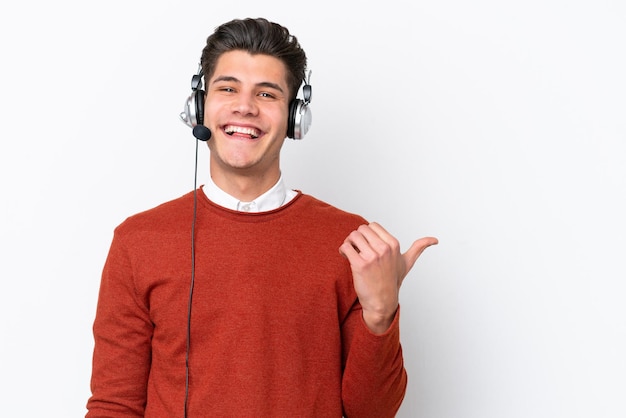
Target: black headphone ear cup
291 120
199 106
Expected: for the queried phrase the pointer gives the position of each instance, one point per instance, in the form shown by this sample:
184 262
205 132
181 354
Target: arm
122 332
374 375
374 379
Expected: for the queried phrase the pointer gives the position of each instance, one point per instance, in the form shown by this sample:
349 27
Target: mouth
241 131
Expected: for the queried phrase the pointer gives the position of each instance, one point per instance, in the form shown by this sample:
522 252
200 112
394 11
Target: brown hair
256 36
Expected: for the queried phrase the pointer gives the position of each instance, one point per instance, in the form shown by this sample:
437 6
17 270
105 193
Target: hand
378 269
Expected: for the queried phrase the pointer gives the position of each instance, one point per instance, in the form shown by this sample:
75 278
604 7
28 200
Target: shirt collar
274 198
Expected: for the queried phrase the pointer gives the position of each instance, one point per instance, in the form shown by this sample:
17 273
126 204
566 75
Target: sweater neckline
246 216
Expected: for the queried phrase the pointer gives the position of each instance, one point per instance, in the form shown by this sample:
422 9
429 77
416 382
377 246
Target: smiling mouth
239 130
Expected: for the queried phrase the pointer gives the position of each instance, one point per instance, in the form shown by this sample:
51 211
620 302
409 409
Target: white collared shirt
274 198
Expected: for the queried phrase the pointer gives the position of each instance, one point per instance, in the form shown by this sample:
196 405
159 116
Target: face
246 109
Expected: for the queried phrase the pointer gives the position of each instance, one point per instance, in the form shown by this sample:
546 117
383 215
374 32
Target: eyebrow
261 84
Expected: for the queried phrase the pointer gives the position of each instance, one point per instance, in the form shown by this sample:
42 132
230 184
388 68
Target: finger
347 250
363 240
381 233
416 249
353 245
379 239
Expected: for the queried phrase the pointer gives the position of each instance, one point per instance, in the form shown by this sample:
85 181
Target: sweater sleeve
122 333
374 379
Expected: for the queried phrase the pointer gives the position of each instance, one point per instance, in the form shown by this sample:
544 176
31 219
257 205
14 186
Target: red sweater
276 328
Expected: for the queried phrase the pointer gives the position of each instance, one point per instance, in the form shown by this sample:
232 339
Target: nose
245 104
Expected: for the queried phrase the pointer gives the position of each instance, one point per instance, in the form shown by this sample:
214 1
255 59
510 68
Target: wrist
378 322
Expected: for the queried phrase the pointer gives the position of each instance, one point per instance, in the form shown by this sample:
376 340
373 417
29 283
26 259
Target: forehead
250 68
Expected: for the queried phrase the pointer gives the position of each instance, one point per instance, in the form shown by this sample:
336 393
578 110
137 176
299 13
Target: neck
245 187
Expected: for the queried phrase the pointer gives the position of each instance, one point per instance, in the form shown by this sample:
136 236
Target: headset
299 120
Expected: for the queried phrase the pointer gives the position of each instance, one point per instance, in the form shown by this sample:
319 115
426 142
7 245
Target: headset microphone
201 132
192 115
298 124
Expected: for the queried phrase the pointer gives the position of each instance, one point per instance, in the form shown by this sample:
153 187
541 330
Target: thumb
416 249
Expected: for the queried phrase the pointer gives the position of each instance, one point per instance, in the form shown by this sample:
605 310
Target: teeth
241 130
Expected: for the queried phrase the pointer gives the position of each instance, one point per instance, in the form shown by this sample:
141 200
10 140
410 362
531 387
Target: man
280 305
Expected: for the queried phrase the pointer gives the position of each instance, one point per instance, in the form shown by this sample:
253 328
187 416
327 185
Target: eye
266 95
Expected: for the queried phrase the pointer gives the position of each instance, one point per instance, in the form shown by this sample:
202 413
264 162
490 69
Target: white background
497 126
